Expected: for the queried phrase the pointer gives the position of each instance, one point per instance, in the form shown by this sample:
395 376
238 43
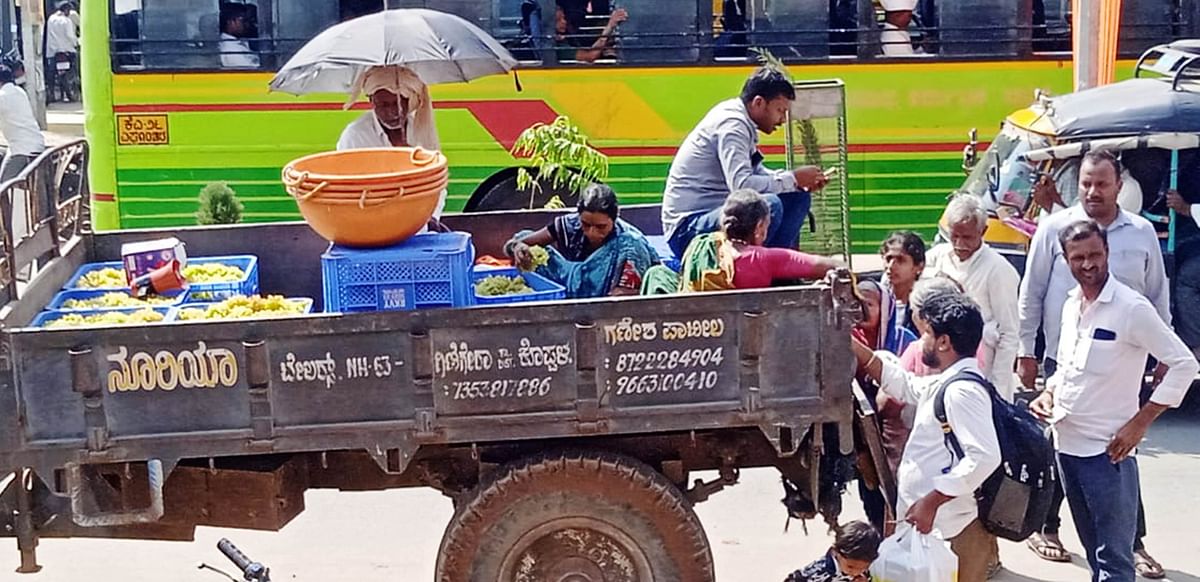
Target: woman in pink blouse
744 221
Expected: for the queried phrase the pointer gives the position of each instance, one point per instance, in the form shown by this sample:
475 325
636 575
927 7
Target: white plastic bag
910 556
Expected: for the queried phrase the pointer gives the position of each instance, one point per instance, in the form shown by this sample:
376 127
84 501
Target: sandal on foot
1146 566
1047 549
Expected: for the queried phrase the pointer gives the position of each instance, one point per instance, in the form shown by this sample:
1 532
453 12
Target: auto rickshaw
1152 122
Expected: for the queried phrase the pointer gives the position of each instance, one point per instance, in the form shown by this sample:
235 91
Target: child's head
872 296
855 547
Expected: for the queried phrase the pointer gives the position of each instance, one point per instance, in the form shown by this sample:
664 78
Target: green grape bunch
246 307
114 299
499 285
106 278
107 318
541 257
213 273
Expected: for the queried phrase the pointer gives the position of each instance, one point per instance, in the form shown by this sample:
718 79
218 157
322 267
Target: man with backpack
1108 330
937 482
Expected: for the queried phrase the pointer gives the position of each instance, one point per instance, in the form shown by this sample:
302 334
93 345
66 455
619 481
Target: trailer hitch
701 490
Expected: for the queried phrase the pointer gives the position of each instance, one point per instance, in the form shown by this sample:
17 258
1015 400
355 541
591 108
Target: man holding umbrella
401 113
391 57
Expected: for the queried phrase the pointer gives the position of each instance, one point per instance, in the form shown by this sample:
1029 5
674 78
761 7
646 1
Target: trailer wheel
576 517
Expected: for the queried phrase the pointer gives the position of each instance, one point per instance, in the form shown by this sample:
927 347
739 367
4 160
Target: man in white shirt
25 143
895 38
19 127
401 114
1135 259
62 44
935 488
236 26
1108 330
987 278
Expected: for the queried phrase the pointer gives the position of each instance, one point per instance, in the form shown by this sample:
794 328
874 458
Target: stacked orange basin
368 197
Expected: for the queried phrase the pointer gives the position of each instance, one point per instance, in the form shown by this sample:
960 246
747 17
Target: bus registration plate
142 130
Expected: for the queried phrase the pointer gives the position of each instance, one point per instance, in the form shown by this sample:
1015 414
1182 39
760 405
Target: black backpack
1015 499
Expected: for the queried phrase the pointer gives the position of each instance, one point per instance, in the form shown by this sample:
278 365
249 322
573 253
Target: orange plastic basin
369 224
347 185
367 197
364 166
355 191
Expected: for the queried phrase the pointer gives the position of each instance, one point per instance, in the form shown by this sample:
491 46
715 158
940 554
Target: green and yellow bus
164 119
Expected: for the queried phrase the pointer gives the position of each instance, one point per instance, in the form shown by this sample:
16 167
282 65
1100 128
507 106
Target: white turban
404 83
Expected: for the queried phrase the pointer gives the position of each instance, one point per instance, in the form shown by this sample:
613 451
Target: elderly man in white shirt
401 114
1135 259
987 278
936 489
1108 330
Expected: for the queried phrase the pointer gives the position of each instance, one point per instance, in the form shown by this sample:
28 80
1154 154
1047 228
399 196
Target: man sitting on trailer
721 155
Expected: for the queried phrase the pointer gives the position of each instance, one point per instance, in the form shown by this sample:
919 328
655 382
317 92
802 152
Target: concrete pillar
1094 41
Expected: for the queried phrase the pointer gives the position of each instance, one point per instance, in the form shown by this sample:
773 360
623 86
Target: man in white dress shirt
1108 330
988 279
1135 259
236 26
936 489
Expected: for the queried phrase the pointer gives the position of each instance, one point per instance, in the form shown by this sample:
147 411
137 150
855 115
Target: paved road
394 535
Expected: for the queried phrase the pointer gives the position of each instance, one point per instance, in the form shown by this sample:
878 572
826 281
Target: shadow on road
1174 433
1176 576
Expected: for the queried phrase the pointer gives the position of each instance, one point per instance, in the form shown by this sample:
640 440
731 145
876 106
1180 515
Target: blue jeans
1104 504
788 211
1054 518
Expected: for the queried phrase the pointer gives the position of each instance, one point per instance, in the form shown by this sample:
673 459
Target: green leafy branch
559 153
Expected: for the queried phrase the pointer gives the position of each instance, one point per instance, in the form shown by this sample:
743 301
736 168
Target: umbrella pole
1175 187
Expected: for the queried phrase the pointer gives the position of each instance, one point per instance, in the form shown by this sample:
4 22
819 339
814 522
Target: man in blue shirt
721 155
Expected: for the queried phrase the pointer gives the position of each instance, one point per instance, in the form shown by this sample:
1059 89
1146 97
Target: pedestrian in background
1108 330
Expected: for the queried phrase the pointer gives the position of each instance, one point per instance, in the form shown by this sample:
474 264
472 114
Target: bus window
521 26
659 31
126 34
165 34
978 28
299 22
790 30
349 9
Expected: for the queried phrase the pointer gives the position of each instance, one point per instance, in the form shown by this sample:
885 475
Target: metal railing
42 209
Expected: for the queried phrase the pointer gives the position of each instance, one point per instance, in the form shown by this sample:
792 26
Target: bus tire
576 516
499 192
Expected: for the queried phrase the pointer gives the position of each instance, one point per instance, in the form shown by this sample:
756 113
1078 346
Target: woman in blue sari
592 252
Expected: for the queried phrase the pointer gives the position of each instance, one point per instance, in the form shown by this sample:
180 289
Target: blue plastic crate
426 271
665 254
543 289
62 297
212 292
73 282
46 317
201 292
174 314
